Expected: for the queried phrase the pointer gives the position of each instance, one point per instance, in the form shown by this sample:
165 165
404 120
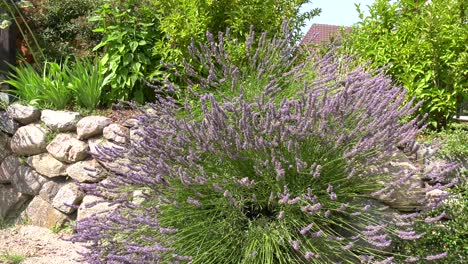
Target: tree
184 20
424 45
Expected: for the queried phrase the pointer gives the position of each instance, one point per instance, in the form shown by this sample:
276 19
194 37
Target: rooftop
322 33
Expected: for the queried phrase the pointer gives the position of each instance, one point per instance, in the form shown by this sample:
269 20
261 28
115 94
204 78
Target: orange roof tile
321 33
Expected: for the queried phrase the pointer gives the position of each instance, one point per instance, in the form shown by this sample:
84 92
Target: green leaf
133 46
105 59
99 30
136 67
95 19
127 59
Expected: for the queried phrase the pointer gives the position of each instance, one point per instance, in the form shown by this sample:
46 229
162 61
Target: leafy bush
130 28
454 137
138 35
424 44
61 27
454 148
182 20
55 92
48 89
258 177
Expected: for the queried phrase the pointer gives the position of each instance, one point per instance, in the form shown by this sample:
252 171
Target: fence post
7 50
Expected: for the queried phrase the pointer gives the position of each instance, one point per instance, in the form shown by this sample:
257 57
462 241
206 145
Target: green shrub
130 30
46 90
62 28
55 92
138 35
455 141
424 45
455 146
182 20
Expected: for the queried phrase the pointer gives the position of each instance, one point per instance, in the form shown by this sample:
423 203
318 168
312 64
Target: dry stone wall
43 155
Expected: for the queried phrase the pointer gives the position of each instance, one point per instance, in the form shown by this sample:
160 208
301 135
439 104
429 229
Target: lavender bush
274 169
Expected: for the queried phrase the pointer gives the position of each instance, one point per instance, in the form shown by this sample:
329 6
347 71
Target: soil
38 245
120 116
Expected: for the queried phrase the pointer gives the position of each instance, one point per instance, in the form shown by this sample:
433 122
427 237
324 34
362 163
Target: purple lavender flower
437 256
256 140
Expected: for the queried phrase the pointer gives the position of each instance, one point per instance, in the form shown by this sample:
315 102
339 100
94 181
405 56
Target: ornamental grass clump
264 177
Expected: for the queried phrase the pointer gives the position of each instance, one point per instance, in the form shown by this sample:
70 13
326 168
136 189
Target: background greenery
62 27
147 39
424 46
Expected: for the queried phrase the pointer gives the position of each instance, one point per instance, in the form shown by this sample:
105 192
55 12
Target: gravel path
39 245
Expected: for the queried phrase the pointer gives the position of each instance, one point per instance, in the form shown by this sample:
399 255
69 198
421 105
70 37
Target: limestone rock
424 152
116 165
68 195
41 213
24 114
4 140
135 134
93 205
117 133
29 140
104 188
50 189
91 126
86 171
5 150
7 124
8 168
409 195
436 194
63 121
27 181
47 165
4 99
433 170
132 122
67 148
10 200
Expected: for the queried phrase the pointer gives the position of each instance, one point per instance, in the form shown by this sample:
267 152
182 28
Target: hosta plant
263 178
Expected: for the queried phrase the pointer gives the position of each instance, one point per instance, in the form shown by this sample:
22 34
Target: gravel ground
39 245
